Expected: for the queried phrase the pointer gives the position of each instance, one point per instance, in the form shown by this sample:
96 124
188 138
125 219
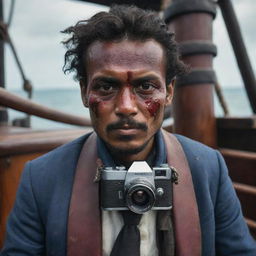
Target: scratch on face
152 106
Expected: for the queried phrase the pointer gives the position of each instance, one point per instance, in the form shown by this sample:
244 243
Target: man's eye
146 87
106 87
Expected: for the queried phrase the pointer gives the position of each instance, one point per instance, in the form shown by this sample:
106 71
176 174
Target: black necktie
128 240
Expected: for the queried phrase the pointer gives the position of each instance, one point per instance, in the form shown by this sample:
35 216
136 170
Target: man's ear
83 93
169 92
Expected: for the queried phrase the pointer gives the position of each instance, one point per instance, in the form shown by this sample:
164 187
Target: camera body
138 189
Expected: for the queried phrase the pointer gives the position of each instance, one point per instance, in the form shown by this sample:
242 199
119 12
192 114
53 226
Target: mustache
127 121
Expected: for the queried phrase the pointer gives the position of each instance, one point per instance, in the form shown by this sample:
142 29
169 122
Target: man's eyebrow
145 79
106 79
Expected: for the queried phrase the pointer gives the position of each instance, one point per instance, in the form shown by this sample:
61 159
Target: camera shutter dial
160 192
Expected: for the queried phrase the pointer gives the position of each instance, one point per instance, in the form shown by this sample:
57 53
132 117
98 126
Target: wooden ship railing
234 137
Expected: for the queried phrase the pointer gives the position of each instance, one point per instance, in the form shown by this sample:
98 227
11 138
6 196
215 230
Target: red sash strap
84 223
186 218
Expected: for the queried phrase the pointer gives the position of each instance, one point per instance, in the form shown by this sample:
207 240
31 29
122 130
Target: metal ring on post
197 76
182 7
187 48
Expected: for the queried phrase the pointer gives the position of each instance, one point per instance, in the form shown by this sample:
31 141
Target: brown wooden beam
236 122
13 101
241 165
193 108
237 133
29 141
247 197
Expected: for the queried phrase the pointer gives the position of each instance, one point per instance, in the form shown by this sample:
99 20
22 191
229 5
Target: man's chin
125 149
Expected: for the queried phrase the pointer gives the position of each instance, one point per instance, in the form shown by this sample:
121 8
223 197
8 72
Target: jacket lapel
84 222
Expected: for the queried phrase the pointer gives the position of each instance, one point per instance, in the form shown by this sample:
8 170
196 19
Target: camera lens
140 196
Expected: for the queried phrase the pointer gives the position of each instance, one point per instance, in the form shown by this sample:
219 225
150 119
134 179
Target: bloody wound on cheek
152 106
94 103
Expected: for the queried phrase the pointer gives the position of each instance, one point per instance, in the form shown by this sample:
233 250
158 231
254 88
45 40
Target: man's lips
127 131
127 125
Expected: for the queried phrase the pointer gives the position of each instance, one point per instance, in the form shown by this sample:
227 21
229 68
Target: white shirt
112 223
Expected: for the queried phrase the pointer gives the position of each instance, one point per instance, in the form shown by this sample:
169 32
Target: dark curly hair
121 22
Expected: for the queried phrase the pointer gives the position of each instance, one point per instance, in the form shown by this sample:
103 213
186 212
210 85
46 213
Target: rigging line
3 31
11 13
26 84
221 99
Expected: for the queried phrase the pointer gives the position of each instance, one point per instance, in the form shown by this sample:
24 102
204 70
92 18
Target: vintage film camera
138 189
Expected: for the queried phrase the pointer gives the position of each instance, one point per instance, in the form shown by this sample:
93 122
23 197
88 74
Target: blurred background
35 31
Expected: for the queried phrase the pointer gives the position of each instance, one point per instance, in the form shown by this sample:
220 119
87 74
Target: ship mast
3 111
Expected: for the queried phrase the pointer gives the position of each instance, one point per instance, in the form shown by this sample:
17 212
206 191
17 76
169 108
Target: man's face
126 92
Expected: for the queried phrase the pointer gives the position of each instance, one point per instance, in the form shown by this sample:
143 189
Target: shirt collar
160 151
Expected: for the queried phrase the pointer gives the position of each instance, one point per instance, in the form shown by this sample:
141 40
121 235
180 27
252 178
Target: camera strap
84 234
185 210
84 220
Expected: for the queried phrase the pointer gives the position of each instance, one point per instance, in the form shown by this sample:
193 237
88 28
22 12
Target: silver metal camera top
120 168
139 170
164 165
140 166
108 168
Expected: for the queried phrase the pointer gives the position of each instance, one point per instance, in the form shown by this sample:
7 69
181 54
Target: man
126 62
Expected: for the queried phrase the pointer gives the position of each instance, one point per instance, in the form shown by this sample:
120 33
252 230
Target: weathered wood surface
17 146
242 166
237 133
193 109
26 142
10 171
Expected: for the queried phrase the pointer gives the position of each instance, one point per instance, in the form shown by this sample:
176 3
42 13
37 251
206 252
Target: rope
27 86
11 13
221 98
3 31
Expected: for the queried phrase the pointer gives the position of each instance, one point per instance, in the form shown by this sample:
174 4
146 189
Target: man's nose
126 102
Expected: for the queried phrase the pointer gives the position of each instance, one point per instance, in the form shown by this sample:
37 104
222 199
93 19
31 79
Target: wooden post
193 107
3 111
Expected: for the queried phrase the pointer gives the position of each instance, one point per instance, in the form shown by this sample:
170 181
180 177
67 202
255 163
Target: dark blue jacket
38 223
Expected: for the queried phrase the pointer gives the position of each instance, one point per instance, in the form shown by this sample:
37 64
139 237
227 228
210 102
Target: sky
35 31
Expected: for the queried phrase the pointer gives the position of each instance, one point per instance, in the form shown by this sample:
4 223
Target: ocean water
68 100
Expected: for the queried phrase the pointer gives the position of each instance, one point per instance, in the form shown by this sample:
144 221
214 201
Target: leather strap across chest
185 212
84 236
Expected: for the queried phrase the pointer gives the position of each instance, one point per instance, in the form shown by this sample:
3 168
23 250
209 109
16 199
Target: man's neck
127 159
155 154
